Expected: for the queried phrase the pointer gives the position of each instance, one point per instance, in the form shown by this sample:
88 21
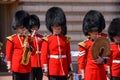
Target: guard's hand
45 74
99 60
9 66
108 76
108 73
70 74
80 77
26 44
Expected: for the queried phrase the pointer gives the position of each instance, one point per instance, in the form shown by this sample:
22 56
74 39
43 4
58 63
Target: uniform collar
56 34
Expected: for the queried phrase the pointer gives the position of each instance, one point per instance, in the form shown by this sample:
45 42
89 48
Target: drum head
101 47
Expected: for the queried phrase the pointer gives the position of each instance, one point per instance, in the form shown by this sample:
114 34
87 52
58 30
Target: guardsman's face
34 28
94 35
56 29
116 39
21 30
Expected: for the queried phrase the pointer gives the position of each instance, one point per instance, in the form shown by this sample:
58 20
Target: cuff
8 65
108 69
45 67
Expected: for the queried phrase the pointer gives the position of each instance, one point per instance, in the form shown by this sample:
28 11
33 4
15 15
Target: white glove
45 67
108 69
45 70
108 72
71 67
82 74
8 65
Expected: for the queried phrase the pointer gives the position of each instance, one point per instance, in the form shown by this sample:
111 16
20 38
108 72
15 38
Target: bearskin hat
93 21
114 28
55 16
32 20
18 18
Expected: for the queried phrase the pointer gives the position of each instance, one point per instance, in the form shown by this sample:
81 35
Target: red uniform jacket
14 52
55 53
92 70
114 61
35 57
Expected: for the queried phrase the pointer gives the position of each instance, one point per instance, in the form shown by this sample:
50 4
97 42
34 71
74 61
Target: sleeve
9 50
81 59
44 55
69 57
109 63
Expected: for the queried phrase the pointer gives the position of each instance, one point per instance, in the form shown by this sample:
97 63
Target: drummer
89 68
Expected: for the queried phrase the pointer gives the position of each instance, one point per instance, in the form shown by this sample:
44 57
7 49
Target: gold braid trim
9 38
82 43
45 38
68 39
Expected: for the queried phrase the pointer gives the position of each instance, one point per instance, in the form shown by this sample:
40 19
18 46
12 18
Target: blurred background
74 10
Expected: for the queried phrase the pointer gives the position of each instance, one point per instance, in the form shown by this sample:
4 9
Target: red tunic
35 57
14 52
93 71
114 61
55 53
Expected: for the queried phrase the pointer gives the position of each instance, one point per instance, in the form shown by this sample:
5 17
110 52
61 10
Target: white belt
57 56
116 61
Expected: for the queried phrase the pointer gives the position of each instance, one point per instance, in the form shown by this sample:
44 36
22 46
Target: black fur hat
55 16
114 28
32 20
93 21
18 18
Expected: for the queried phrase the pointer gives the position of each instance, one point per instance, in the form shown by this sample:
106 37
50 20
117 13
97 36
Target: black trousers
57 77
20 76
36 74
115 78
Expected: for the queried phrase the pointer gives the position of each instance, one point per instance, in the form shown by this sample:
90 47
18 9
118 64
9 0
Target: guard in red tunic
88 68
114 61
55 51
34 24
17 46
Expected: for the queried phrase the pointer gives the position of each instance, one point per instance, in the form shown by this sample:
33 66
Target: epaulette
10 37
82 43
45 38
68 39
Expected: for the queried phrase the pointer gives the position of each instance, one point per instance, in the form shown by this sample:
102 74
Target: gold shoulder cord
82 43
26 51
45 38
10 37
68 39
